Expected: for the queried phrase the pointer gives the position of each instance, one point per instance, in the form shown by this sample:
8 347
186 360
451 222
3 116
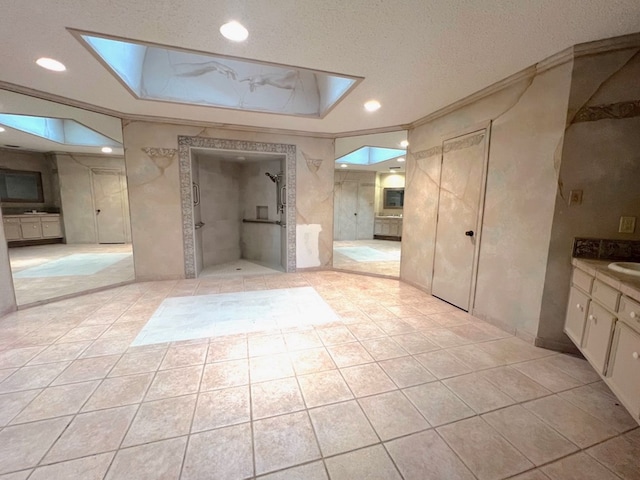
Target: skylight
59 130
157 72
370 155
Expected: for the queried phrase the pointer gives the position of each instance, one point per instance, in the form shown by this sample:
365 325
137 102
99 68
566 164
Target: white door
346 211
461 192
108 201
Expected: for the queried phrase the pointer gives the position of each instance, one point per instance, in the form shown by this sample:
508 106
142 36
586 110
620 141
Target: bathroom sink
630 268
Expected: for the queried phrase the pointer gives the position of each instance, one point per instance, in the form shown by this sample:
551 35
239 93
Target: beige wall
7 294
528 121
34 162
601 157
387 180
154 194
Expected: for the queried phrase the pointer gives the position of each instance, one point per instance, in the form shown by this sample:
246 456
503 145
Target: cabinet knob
633 314
578 306
635 355
34 226
593 318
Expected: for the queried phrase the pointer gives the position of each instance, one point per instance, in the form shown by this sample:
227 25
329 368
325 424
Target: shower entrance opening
239 212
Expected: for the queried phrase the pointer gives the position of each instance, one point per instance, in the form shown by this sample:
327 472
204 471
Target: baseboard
28 243
387 237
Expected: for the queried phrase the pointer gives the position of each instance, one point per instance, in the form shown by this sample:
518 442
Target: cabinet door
51 229
393 229
378 227
624 368
31 230
385 227
597 336
576 315
12 231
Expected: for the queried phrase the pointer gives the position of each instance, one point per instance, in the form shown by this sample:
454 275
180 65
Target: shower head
274 178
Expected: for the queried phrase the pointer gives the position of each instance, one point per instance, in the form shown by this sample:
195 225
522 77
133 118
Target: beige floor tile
372 463
513 350
602 406
335 335
275 398
133 363
576 367
119 391
575 424
57 401
365 331
266 345
578 467
395 326
83 333
406 371
444 337
474 357
225 374
392 415
175 382
478 393
425 456
219 454
547 375
342 427
442 364
634 436
384 348
324 388
311 361
349 354
437 403
310 471
37 376
17 357
16 476
23 446
60 352
184 356
534 438
86 369
161 419
415 342
89 468
620 455
228 348
302 340
91 433
487 454
107 346
4 373
531 475
367 379
220 408
153 461
515 384
284 441
11 404
270 367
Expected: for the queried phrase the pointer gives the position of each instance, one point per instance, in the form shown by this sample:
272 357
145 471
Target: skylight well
370 156
169 74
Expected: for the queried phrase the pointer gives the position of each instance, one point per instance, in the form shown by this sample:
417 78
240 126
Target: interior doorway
460 207
109 199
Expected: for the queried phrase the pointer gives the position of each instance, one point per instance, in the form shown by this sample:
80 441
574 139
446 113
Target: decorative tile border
184 157
603 249
615 111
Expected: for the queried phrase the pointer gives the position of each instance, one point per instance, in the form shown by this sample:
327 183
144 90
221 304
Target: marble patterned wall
601 157
76 193
154 194
526 139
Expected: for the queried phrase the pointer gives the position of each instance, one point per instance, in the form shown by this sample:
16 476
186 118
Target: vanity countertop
627 284
29 214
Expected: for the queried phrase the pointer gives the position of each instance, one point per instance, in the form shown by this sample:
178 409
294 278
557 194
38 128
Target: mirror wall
368 203
64 200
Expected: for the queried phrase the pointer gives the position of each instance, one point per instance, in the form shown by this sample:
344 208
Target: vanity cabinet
577 314
32 227
598 332
389 228
624 367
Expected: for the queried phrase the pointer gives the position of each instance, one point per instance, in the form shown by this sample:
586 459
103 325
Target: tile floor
402 386
237 268
40 272
381 257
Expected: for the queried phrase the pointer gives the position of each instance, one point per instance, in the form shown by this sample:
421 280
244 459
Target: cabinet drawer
629 311
33 219
51 229
605 295
597 336
31 230
624 368
11 220
576 315
582 280
50 219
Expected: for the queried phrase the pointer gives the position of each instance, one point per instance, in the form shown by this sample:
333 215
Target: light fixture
234 31
400 159
51 64
372 105
1 129
107 149
404 144
344 165
240 158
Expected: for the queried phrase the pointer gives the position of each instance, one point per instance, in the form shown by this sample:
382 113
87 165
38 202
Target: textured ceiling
416 55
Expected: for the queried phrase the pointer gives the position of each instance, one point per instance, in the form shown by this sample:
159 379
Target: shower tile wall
260 242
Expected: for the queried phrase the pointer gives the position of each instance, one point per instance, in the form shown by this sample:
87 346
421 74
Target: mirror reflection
64 199
368 203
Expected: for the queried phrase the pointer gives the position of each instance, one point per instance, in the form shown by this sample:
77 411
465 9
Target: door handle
469 233
98 212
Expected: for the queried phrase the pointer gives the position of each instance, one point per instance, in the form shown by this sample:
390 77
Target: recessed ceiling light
240 158
344 165
1 129
234 31
107 149
404 144
372 105
51 64
401 159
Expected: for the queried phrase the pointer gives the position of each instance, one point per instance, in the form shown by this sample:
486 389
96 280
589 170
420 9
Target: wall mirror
368 201
64 199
